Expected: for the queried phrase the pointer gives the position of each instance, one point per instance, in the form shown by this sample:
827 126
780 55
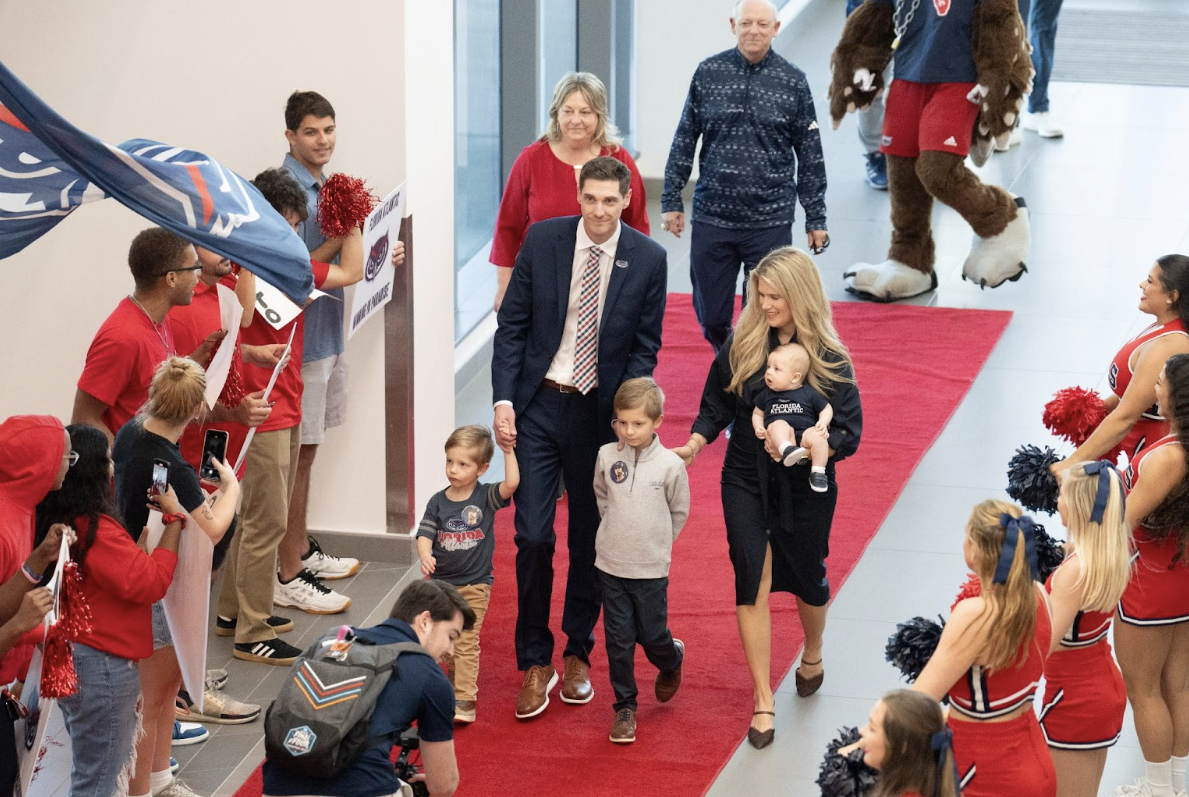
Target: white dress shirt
561 370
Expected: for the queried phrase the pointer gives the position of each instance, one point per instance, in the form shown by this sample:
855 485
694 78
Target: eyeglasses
72 458
195 267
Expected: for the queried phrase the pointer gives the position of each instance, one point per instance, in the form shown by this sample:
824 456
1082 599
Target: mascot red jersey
962 68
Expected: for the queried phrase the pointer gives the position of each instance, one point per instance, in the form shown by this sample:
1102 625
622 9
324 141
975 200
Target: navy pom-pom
845 776
1050 553
1030 481
912 644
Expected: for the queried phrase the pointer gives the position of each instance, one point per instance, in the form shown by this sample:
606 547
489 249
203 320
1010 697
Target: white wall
215 78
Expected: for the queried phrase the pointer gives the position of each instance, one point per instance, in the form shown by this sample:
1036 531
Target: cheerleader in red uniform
1152 635
1084 697
991 657
906 739
1133 418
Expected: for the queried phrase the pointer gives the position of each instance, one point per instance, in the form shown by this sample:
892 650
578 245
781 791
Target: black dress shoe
761 739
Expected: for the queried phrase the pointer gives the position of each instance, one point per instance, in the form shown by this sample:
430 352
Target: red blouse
541 187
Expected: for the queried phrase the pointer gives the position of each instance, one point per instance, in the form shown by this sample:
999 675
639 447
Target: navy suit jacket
534 311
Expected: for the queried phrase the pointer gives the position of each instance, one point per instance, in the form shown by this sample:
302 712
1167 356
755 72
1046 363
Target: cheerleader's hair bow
1104 470
942 742
1016 528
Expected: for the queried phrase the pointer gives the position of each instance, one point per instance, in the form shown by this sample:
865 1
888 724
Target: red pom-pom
233 389
343 205
58 678
1074 413
971 589
74 614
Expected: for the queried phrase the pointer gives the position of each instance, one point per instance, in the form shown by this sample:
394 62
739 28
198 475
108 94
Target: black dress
766 503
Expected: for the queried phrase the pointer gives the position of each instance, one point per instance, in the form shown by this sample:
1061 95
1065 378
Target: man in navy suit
582 314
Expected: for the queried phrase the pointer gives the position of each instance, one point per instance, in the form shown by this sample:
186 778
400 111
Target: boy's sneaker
877 171
793 455
185 733
464 710
1043 124
623 731
328 567
217 707
307 593
177 789
216 679
818 482
267 651
225 626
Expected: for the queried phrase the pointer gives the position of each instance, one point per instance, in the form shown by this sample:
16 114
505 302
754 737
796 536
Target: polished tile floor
1105 202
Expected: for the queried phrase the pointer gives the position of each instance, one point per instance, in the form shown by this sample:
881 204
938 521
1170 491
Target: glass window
477 176
558 44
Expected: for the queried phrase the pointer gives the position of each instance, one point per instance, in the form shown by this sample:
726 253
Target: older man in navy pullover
754 112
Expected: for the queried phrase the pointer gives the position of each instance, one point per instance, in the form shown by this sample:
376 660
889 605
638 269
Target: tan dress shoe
623 730
576 687
534 692
667 683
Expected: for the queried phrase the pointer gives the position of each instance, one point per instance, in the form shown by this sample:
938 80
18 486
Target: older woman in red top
543 183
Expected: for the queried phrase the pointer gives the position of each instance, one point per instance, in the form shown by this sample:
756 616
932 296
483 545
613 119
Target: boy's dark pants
636 610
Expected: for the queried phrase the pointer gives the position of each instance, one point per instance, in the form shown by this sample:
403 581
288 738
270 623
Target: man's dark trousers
556 434
714 259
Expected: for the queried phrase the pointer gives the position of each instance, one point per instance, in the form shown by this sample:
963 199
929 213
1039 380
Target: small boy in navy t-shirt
794 416
456 544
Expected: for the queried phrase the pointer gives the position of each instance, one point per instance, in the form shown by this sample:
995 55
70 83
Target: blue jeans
1041 16
101 720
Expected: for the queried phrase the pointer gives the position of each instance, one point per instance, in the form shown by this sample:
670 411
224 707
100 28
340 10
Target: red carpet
914 365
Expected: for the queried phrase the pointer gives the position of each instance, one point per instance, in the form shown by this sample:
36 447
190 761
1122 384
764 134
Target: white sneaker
177 789
1141 788
1013 139
1042 124
307 593
327 567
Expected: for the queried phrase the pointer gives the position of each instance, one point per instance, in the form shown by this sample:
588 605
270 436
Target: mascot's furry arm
866 44
1003 60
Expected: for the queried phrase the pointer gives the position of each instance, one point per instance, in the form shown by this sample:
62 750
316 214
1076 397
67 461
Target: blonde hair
796 355
641 393
595 94
795 278
1103 548
176 391
474 438
1009 609
910 763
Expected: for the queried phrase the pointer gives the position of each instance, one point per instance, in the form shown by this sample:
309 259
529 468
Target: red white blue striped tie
586 343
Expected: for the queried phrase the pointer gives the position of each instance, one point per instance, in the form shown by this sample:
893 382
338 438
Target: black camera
406 769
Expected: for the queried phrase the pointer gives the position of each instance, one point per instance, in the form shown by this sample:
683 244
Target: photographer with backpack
332 728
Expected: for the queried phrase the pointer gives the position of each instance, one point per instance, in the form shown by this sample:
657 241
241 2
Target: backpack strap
397 649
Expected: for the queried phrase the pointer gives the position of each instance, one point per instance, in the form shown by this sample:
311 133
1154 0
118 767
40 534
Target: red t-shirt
122 360
191 325
286 393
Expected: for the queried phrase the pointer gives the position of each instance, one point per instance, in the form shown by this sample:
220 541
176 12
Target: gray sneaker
217 707
177 789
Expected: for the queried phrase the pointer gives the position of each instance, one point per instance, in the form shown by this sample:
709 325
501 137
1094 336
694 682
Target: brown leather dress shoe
761 739
623 730
534 692
667 682
576 686
807 686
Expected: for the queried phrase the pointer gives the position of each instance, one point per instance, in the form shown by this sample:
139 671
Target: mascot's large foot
888 281
1000 258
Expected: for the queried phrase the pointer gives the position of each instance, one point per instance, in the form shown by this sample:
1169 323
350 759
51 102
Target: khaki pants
251 567
466 649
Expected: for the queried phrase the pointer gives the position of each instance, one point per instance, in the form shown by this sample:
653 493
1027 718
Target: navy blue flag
48 168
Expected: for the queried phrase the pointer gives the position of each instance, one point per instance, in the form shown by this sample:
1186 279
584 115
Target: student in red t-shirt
137 336
250 575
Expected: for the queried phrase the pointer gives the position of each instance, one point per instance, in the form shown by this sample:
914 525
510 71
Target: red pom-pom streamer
74 614
971 589
233 389
58 678
343 205
1074 413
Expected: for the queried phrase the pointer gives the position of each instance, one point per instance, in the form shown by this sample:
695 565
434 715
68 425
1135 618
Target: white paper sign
231 312
380 232
188 601
277 308
272 380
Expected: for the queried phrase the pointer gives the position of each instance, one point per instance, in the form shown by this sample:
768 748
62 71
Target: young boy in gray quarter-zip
643 496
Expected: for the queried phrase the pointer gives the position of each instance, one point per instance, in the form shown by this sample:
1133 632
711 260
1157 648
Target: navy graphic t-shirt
936 44
798 407
463 539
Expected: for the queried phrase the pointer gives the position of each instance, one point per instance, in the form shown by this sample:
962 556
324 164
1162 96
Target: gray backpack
320 722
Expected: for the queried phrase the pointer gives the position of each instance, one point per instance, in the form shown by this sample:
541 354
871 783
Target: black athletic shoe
225 626
817 482
267 651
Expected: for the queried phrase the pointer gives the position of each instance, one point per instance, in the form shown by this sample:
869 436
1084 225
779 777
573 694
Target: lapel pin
621 264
